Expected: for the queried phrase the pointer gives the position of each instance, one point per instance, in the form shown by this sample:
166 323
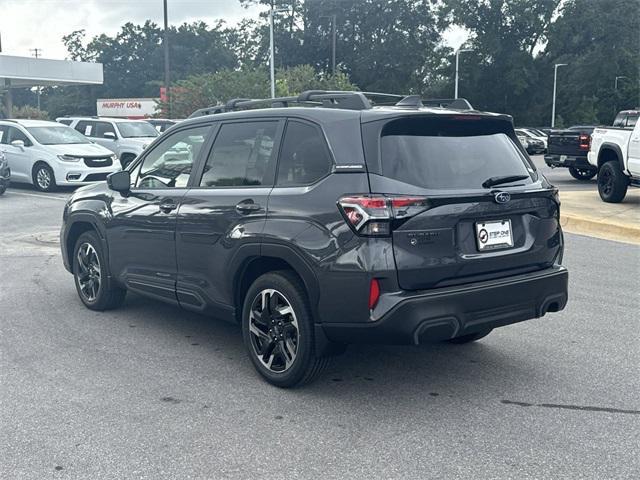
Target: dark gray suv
320 227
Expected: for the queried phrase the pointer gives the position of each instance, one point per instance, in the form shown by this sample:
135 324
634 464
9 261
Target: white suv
126 138
47 154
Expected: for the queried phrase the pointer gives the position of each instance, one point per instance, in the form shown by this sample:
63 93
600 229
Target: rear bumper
567 161
446 313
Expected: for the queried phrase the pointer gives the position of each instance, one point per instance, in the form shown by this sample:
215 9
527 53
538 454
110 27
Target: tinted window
88 129
170 162
102 128
67 121
305 158
4 137
241 155
448 154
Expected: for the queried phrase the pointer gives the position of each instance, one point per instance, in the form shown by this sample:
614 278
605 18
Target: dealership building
28 72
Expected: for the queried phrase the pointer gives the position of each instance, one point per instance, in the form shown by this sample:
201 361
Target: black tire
582 173
107 295
472 337
126 159
305 365
612 182
43 178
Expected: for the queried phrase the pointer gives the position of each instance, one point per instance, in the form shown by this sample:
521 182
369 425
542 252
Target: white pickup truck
615 152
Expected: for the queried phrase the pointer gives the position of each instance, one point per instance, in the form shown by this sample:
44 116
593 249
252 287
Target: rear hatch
573 143
450 225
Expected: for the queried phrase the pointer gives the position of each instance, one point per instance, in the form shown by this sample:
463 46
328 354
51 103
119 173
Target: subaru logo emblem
502 197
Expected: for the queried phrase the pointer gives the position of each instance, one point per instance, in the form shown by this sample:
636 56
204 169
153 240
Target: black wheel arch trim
75 218
616 149
250 252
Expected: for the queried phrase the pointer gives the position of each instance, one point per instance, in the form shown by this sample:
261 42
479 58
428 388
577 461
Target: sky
29 24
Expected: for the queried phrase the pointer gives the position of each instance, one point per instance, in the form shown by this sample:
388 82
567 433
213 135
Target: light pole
165 41
272 67
36 53
619 77
458 52
553 106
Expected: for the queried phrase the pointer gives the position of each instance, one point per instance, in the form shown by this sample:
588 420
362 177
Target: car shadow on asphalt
440 369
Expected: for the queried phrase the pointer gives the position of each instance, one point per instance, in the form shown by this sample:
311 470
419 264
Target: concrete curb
601 229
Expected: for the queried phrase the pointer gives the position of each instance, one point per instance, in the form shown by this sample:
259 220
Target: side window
619 120
240 155
4 136
16 134
170 162
66 121
88 129
305 157
632 120
102 128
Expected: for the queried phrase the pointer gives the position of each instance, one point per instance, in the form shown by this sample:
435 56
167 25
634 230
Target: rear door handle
247 206
168 205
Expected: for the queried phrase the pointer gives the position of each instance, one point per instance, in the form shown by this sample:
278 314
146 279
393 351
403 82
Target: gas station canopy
21 72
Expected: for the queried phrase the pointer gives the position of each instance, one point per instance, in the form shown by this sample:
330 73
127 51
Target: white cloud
27 24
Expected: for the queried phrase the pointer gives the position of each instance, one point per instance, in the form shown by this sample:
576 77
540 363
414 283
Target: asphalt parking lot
150 391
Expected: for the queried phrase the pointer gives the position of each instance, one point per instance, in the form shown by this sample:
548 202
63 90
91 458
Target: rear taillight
374 214
374 293
585 142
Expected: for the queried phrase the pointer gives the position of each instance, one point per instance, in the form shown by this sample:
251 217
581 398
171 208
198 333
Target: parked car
319 227
46 154
568 148
126 138
5 173
524 141
161 124
540 144
615 152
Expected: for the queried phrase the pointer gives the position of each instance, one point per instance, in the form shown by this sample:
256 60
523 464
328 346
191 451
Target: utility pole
553 106
165 42
333 41
37 53
615 91
333 44
458 52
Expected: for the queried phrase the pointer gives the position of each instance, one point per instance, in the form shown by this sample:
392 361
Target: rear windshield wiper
492 181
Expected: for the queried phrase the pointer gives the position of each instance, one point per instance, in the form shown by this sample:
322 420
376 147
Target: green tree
201 91
599 41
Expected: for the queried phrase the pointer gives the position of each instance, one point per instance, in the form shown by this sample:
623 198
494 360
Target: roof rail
349 100
201 112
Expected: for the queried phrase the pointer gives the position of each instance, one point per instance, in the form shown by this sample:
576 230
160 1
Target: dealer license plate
491 235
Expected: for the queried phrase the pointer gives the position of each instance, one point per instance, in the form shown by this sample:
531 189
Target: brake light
373 214
374 293
585 142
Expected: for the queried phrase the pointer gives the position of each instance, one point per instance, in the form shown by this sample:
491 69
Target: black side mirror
119 181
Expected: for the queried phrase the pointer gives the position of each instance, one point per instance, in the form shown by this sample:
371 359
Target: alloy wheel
273 329
43 177
605 181
89 273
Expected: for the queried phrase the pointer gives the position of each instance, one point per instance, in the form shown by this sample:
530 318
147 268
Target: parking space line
37 195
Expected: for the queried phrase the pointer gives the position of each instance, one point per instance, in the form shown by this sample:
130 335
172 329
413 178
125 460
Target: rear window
449 153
